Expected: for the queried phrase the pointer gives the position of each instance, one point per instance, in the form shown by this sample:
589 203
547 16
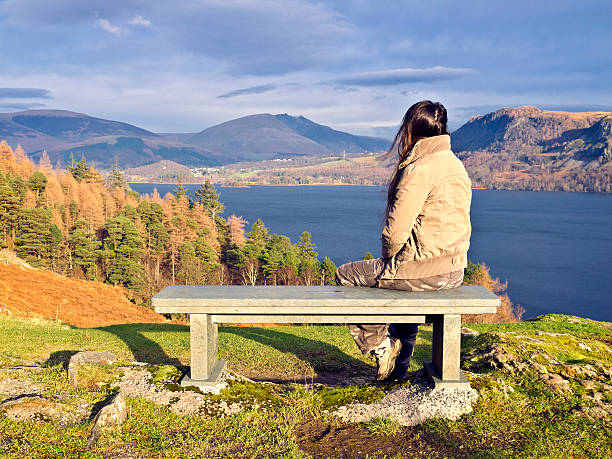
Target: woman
426 231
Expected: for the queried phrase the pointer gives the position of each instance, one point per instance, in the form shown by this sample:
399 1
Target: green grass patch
382 426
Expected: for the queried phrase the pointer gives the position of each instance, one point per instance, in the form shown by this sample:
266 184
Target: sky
353 65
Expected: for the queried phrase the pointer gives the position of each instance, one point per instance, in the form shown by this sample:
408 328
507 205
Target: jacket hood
427 146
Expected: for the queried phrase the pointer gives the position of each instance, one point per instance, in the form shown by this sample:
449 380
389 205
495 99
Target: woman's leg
407 333
364 273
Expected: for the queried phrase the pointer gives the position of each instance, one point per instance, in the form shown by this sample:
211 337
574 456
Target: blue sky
354 65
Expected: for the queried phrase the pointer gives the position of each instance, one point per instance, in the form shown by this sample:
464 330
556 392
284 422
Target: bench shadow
144 349
331 365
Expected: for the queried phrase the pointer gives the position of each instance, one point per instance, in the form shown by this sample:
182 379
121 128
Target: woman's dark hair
423 119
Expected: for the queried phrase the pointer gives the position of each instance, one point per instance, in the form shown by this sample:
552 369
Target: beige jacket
427 231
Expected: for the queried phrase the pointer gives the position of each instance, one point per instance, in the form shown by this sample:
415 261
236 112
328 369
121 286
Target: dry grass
34 292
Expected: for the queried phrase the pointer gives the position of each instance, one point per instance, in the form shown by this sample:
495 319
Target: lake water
554 249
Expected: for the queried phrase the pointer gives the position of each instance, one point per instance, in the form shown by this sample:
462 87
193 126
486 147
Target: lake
554 249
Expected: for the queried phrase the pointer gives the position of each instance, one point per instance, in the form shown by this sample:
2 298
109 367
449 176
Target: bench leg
446 348
206 369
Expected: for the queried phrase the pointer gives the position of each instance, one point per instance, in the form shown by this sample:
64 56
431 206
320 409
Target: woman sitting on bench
426 232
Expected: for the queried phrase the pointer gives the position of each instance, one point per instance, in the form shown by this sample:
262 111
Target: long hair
423 119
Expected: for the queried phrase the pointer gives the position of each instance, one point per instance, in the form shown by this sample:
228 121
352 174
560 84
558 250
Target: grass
517 415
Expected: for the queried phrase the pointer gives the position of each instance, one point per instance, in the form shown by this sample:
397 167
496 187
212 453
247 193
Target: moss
333 397
164 375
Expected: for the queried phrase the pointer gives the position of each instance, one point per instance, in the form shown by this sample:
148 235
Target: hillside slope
528 148
26 291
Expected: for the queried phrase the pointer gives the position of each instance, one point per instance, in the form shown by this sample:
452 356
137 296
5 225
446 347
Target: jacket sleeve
412 191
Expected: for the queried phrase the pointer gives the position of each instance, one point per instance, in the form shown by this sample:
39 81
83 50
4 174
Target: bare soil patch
322 440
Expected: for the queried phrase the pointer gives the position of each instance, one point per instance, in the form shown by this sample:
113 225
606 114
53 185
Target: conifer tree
308 263
34 235
37 182
80 171
83 247
207 196
328 271
122 247
116 179
9 211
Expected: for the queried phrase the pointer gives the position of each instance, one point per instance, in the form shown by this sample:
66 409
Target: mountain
63 133
265 136
529 148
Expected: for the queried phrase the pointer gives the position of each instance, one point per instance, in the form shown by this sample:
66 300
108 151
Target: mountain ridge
529 148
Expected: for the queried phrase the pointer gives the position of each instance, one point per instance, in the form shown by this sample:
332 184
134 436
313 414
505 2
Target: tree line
77 223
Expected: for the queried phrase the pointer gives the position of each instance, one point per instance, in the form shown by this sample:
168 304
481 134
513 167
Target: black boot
407 334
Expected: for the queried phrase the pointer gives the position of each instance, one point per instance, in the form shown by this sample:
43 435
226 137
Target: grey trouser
365 273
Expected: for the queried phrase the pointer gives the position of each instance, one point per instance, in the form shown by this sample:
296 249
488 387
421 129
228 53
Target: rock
34 408
9 402
113 413
556 382
413 405
539 368
594 413
468 332
588 384
88 357
14 387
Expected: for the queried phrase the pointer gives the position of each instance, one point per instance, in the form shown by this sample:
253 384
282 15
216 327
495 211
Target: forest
77 223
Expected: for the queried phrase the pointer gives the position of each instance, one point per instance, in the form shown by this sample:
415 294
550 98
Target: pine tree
116 179
328 271
308 263
80 171
34 235
122 247
207 196
83 248
9 211
37 182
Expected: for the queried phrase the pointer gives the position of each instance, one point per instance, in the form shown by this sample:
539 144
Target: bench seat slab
320 319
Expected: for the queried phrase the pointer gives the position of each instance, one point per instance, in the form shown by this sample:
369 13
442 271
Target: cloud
139 20
401 76
251 90
24 93
265 37
104 24
20 106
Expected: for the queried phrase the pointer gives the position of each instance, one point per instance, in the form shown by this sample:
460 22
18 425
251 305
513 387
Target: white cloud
139 20
104 24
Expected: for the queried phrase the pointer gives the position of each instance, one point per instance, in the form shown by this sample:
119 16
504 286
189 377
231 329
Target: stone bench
210 305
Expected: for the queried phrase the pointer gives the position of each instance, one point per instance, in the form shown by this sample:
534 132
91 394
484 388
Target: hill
62 133
529 148
265 136
29 291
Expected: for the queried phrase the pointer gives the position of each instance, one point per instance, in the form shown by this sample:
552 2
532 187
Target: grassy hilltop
545 391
